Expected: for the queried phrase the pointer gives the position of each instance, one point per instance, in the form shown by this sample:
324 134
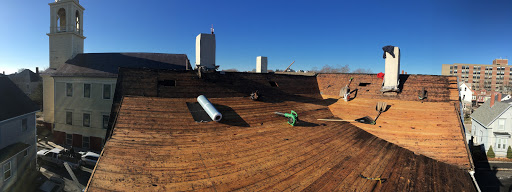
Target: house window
501 143
105 121
69 117
87 90
87 120
85 142
501 124
69 139
69 89
106 91
7 170
24 126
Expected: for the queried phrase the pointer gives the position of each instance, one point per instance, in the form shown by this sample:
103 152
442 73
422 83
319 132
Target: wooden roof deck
157 146
428 128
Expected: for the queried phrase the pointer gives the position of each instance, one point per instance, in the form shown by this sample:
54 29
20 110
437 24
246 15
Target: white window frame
501 127
501 144
103 121
71 143
24 125
90 89
4 171
83 120
71 116
66 90
88 142
103 91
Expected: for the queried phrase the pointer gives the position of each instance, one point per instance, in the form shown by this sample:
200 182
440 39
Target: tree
37 95
509 152
231 70
490 153
330 69
360 70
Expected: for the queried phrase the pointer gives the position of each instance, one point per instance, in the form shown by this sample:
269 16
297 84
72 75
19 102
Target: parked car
57 157
89 158
54 184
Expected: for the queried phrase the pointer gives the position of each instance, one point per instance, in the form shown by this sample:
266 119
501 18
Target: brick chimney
37 70
493 97
499 97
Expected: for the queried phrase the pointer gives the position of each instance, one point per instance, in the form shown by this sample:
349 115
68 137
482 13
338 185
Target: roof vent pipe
209 108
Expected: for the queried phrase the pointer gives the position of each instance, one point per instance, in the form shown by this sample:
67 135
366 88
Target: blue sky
311 33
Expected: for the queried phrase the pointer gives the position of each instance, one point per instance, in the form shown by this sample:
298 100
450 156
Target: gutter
472 174
20 116
471 171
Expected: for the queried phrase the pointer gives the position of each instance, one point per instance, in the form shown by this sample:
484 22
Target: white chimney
205 50
261 64
392 70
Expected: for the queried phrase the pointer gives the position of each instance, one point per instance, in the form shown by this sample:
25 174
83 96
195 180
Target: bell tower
66 31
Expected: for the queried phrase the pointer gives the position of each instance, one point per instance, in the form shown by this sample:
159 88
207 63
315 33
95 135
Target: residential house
481 96
17 134
492 125
79 87
28 81
466 96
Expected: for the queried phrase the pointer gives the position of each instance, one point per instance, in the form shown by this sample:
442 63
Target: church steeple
66 31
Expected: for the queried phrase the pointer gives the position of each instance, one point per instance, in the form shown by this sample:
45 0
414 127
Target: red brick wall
77 140
95 143
59 137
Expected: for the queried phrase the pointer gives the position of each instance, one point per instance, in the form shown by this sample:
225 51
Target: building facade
492 125
82 108
17 135
494 77
78 87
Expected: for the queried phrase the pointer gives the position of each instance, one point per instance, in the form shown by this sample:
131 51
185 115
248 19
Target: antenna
212 29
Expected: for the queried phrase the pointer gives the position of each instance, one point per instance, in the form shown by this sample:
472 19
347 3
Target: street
51 170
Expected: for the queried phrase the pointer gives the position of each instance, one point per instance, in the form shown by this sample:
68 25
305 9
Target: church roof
107 64
13 102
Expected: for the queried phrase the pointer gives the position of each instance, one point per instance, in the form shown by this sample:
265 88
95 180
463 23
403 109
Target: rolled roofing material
209 108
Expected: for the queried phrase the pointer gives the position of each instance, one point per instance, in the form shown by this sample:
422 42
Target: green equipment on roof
292 117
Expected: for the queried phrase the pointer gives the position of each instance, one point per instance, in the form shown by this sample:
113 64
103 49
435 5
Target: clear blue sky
311 33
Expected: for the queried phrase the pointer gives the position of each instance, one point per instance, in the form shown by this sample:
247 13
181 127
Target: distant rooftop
13 102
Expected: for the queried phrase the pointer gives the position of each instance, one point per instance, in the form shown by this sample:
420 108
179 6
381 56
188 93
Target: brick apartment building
482 76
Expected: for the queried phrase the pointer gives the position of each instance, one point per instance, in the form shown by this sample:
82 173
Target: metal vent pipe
209 108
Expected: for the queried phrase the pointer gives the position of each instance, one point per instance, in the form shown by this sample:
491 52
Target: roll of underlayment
209 108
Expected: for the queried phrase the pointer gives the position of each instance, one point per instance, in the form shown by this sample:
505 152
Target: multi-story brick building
482 76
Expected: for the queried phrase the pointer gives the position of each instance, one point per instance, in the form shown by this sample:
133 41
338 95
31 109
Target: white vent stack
261 64
392 69
205 50
209 108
